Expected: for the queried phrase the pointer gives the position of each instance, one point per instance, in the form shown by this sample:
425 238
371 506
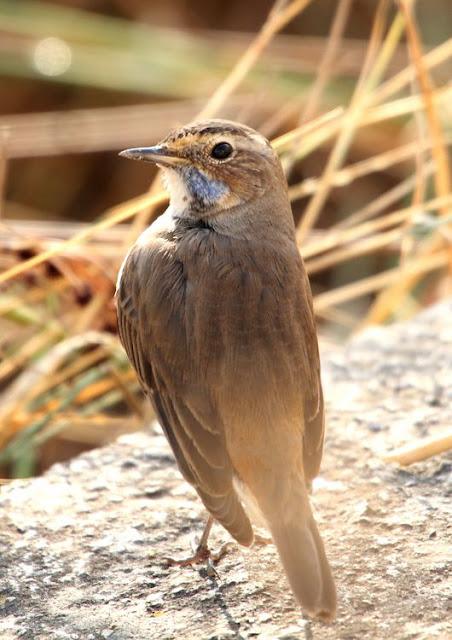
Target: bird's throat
193 191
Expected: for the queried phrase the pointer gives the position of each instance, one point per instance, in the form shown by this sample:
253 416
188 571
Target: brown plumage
215 314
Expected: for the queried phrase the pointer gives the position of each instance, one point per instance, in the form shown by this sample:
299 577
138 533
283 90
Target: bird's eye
221 151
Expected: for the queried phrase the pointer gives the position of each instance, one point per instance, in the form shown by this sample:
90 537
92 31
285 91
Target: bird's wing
153 333
314 416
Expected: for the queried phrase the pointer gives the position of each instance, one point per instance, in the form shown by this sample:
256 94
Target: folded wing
183 404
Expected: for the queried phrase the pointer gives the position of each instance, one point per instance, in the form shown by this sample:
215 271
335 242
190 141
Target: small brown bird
215 314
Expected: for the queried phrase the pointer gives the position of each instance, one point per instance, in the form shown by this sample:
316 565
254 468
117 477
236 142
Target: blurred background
356 97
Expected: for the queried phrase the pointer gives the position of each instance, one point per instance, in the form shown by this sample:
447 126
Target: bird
216 316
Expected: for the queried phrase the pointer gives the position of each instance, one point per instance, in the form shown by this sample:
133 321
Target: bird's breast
241 303
227 317
222 303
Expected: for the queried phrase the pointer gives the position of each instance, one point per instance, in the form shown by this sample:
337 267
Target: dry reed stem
324 72
100 388
337 316
434 58
336 237
3 176
280 15
407 244
286 139
365 246
87 315
121 381
19 391
113 216
386 199
357 170
142 217
379 281
38 342
421 449
437 56
332 45
91 431
395 109
373 68
388 300
101 254
55 378
33 296
278 118
56 230
439 149
94 129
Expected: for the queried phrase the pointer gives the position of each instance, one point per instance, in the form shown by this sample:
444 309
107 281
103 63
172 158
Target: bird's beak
160 154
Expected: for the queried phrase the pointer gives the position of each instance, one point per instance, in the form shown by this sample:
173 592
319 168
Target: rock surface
81 547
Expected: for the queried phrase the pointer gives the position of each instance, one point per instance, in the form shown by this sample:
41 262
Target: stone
82 548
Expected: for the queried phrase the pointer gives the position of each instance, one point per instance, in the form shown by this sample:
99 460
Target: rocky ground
81 547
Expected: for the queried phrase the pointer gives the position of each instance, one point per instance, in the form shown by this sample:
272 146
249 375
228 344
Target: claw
262 541
201 555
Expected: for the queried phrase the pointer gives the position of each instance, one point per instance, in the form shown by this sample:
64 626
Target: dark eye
221 151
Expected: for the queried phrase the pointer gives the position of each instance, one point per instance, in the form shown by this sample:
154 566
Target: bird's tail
303 556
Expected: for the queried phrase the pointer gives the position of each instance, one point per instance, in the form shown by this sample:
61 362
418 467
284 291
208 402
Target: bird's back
223 324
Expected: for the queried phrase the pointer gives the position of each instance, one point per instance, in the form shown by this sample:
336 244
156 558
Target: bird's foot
262 541
201 555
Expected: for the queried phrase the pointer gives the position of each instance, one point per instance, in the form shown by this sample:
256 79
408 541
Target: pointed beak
160 154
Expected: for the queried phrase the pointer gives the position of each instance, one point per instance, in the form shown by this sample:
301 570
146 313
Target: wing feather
314 417
181 401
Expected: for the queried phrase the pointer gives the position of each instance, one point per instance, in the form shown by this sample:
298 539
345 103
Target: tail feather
328 598
303 556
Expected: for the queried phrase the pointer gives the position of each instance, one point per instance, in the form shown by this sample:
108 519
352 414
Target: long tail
303 556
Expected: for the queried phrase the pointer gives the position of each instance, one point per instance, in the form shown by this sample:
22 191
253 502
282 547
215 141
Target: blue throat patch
204 190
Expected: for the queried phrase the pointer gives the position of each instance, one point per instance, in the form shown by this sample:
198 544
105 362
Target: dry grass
61 374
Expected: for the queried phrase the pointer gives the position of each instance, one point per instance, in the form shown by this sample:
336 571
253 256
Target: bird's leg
202 553
262 541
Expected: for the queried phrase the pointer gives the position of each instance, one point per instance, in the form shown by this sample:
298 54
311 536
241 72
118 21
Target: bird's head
212 166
